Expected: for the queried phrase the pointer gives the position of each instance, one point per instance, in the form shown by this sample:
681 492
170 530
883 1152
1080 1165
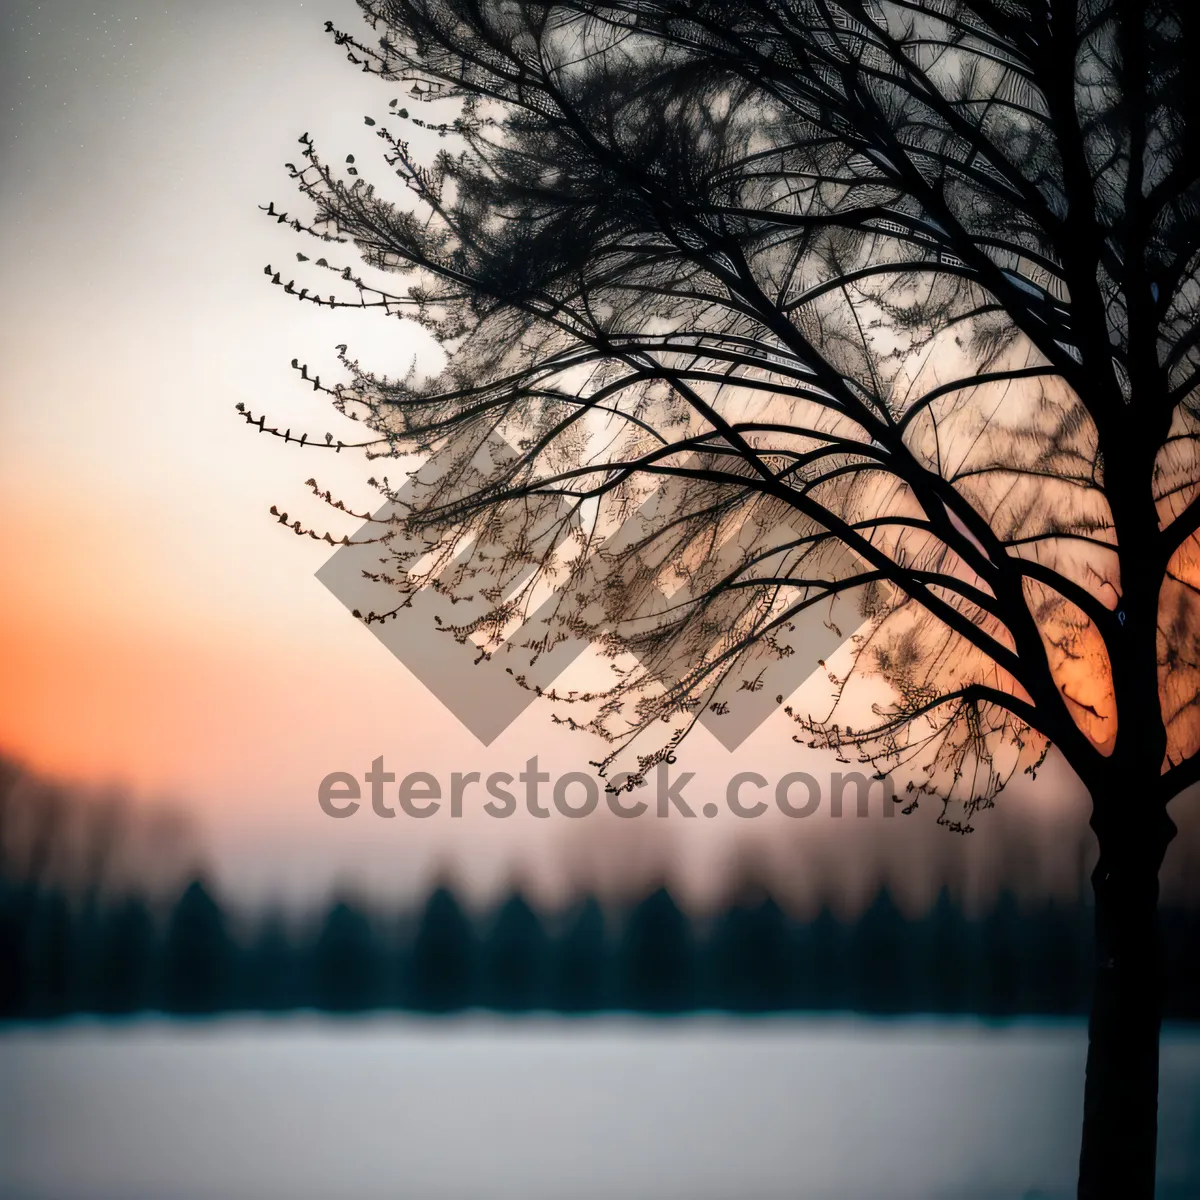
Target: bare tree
881 307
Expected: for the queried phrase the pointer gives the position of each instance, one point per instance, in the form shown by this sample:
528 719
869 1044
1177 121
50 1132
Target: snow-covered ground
482 1109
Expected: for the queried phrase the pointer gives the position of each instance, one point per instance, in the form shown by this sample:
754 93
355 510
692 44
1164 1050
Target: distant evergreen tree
880 958
515 958
395 934
821 964
1054 937
998 976
125 958
751 957
580 964
54 973
345 977
272 975
14 948
943 980
443 966
90 930
198 955
657 956
1181 931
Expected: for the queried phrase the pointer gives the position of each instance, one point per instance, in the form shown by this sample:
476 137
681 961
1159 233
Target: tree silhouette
822 963
581 963
128 945
514 953
198 956
271 976
877 311
657 962
880 962
345 967
443 966
1000 971
53 969
752 956
1058 957
943 984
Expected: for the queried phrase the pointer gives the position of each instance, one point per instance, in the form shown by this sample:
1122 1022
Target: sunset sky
157 628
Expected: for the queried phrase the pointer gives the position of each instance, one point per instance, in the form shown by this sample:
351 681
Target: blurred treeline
84 930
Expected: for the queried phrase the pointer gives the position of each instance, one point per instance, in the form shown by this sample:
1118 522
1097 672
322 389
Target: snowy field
542 1109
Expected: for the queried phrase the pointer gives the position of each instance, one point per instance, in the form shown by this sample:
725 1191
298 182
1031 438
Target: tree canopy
884 309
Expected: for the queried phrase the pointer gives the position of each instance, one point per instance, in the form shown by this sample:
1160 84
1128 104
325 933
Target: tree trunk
1120 1108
